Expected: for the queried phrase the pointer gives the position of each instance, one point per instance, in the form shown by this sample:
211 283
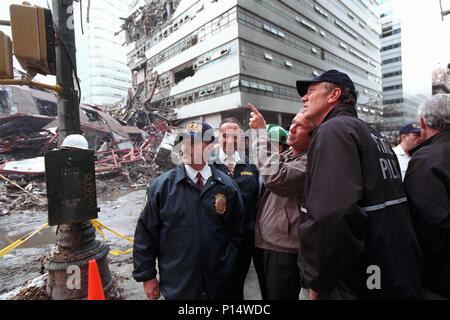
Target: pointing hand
256 119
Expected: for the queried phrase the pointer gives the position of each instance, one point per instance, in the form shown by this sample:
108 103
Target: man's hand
256 119
313 295
151 289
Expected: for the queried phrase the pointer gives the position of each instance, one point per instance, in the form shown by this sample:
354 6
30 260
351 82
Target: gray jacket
278 215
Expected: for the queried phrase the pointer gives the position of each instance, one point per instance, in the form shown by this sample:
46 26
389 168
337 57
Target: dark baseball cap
198 131
410 127
332 76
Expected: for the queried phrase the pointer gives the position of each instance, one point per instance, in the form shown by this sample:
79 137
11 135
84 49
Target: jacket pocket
274 225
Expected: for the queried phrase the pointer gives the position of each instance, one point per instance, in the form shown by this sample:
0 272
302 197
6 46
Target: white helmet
76 141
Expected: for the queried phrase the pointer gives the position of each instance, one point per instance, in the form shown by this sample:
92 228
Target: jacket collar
180 173
339 110
215 157
443 136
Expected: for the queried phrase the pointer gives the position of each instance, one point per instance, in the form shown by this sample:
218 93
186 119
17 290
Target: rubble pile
23 135
14 200
148 19
34 289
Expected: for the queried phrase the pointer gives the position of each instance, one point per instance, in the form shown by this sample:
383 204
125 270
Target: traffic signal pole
76 243
68 108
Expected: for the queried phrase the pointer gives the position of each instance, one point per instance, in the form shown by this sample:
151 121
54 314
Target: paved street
119 213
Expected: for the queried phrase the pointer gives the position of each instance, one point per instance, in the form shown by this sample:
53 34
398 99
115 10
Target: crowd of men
325 216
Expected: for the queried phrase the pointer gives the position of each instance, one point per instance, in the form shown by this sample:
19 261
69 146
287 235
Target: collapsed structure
28 129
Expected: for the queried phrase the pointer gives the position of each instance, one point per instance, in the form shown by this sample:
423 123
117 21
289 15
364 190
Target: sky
434 45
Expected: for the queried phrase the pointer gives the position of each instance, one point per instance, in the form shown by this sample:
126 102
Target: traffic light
6 65
33 38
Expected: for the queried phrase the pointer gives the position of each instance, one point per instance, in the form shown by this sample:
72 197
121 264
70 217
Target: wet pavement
119 211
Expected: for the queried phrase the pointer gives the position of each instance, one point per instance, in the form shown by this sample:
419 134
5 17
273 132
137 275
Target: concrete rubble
127 141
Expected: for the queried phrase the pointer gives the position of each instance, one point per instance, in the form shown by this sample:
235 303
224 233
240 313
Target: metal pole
75 242
17 82
68 108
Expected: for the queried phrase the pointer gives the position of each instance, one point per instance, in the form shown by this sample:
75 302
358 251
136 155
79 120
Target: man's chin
289 142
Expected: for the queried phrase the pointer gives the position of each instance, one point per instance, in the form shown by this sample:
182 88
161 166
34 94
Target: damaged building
208 59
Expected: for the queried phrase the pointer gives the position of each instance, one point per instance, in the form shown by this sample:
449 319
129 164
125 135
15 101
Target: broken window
234 83
5 101
46 108
183 74
92 116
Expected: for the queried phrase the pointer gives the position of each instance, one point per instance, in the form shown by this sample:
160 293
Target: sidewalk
118 213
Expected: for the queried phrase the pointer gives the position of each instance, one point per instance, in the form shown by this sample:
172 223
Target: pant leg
234 287
340 292
259 268
430 295
282 275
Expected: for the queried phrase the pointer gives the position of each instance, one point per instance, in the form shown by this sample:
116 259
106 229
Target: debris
34 289
23 135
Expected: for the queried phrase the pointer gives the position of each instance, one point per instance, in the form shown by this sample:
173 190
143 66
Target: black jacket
355 213
194 235
246 176
427 185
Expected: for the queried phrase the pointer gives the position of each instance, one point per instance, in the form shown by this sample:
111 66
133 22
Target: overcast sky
427 14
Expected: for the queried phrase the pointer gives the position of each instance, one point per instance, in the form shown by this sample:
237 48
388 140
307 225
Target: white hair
435 112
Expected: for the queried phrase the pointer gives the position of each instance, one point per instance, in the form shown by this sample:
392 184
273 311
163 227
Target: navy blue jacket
355 214
194 235
427 184
246 176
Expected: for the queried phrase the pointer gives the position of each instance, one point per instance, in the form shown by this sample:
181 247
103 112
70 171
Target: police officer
192 223
235 164
356 235
410 138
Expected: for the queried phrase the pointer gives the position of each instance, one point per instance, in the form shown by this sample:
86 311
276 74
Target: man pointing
357 240
276 227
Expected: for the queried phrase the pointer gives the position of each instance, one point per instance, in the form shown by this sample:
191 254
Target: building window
392 74
268 56
388 61
390 88
390 33
392 101
390 47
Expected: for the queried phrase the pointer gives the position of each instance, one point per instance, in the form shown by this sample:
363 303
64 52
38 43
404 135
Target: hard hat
76 141
277 133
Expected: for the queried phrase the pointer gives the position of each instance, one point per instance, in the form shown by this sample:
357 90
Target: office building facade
406 83
208 59
101 55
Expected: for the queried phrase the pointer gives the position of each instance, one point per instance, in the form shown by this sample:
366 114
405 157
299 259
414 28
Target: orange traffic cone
95 289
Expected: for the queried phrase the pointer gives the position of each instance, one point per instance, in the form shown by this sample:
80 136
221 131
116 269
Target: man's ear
422 124
335 95
402 137
208 147
207 150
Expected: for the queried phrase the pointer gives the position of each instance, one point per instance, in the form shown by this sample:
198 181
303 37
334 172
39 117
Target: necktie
230 165
199 181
